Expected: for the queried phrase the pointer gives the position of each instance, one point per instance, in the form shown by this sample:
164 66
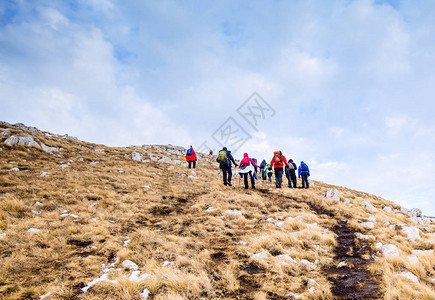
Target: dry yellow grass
196 238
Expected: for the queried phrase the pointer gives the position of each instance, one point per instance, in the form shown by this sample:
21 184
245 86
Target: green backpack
222 156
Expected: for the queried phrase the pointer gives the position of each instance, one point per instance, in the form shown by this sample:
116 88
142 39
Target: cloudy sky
347 86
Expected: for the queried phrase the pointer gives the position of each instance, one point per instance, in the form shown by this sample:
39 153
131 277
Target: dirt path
353 279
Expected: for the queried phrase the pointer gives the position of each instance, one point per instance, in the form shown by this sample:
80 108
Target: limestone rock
136 156
388 209
390 250
367 205
27 141
415 212
411 231
410 276
369 225
129 265
333 194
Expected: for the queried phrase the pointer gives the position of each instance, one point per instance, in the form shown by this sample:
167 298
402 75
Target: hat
290 160
224 148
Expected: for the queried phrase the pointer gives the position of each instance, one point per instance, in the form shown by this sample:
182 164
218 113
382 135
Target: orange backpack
277 158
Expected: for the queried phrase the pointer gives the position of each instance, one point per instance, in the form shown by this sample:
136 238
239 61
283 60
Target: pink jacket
246 161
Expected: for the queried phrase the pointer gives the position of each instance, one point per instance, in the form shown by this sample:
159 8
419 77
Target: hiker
269 172
304 171
263 172
255 166
224 159
247 166
210 152
278 161
191 157
290 172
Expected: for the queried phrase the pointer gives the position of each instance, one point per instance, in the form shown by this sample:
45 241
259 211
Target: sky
346 86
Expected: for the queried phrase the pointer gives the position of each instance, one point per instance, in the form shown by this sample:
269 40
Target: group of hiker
249 167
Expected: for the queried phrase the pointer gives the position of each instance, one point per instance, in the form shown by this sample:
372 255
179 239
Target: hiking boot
229 183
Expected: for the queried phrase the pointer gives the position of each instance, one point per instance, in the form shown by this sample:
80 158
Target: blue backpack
189 152
304 167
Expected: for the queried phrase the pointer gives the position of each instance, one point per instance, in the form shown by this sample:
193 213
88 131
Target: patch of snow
146 186
33 230
372 219
136 277
167 263
45 295
103 277
410 276
287 258
312 282
127 241
259 255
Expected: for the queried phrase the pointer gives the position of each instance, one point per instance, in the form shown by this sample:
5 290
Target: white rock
270 220
33 230
415 212
43 174
80 159
346 201
210 209
372 219
243 243
145 294
368 225
136 156
167 263
342 264
293 295
146 186
386 222
99 150
312 282
367 205
312 289
49 149
388 209
287 258
136 277
413 259
390 250
279 223
233 213
129 265
333 194
411 231
2 235
15 169
127 241
35 212
27 141
378 246
260 255
399 215
308 264
63 166
410 276
393 227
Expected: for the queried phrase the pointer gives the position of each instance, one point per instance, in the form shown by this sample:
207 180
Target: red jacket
191 157
279 166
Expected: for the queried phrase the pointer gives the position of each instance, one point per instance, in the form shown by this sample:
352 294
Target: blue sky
351 82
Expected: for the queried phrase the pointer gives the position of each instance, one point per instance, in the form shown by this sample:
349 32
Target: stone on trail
260 255
388 209
390 250
21 140
413 259
145 294
415 212
287 258
308 264
33 230
333 194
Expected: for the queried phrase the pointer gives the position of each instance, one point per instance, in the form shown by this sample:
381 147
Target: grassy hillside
80 220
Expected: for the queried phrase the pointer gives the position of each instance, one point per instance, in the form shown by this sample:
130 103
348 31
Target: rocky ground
79 220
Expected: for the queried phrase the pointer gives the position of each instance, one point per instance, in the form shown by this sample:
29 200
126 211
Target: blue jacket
300 169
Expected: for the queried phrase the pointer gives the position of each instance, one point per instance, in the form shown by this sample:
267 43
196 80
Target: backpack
189 152
277 158
222 156
291 166
304 167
